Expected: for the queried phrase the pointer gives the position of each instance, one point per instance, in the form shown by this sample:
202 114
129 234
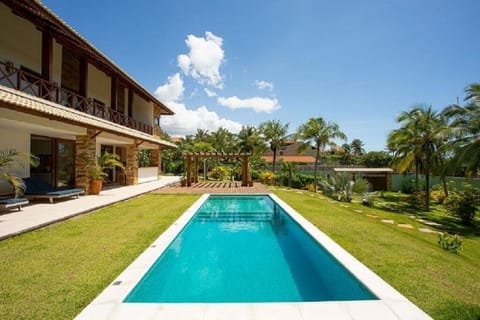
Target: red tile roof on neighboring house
296 159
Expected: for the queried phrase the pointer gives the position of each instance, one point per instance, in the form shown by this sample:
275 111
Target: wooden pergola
195 156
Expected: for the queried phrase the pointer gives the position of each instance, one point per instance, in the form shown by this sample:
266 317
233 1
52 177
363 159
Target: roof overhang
22 102
45 19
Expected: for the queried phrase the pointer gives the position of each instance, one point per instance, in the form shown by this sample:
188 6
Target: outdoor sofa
13 202
37 188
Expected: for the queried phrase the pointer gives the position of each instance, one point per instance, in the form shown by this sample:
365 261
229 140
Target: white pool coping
391 304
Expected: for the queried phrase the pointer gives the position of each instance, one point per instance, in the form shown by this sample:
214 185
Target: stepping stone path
373 216
405 226
427 230
358 211
433 224
388 221
299 192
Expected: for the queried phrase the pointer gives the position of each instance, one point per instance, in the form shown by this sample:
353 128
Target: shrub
418 200
450 243
338 186
463 203
437 196
220 173
268 177
408 186
310 187
361 186
368 199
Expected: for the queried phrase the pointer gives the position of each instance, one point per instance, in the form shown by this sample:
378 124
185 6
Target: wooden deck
214 187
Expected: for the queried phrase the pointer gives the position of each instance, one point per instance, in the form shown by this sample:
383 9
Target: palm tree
418 140
320 133
222 140
290 168
11 159
357 147
465 125
274 132
248 139
201 135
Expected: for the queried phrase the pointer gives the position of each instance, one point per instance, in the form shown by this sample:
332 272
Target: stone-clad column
156 159
85 151
131 169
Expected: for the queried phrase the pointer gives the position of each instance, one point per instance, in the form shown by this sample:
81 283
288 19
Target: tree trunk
445 186
417 184
274 159
315 168
427 187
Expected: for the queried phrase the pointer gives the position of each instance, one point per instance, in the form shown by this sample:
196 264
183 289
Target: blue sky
232 63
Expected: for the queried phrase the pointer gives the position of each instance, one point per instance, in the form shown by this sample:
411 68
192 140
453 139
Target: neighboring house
289 153
66 102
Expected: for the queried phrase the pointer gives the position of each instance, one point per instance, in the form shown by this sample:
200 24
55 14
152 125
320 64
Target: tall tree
357 147
223 140
418 139
274 133
465 125
320 133
249 140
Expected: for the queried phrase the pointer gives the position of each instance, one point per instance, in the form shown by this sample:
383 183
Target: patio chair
13 202
37 188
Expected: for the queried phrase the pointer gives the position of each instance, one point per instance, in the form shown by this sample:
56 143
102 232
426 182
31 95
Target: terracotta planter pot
183 182
95 186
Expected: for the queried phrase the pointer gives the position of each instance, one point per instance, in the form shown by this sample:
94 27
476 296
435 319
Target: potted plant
96 170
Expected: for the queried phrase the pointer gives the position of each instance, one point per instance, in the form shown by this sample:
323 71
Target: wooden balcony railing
36 86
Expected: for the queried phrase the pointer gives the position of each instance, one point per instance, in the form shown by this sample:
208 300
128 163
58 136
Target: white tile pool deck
41 213
391 304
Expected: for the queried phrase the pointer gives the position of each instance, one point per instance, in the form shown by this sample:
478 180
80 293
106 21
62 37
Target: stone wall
131 169
85 152
156 159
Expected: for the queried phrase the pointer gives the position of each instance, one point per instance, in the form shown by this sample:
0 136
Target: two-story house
64 101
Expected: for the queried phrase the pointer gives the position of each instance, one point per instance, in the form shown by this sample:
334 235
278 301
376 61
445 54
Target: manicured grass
444 284
53 273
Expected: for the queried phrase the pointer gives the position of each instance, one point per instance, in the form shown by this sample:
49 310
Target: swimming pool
246 249
110 303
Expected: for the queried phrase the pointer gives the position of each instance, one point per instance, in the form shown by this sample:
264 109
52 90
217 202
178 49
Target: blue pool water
245 249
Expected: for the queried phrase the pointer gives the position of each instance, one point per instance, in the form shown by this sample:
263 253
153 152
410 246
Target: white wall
21 41
146 174
142 110
20 141
99 85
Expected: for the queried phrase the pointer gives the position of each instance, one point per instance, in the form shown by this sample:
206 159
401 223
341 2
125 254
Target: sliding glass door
56 161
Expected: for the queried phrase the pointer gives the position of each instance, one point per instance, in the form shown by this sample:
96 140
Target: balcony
36 86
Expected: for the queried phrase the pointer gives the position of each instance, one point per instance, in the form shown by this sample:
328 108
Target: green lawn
444 284
53 273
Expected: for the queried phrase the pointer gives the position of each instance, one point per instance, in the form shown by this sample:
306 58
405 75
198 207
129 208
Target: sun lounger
37 188
13 202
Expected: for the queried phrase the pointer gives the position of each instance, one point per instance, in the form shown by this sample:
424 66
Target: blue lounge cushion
37 186
13 201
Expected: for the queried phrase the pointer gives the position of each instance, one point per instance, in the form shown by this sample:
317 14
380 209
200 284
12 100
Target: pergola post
195 172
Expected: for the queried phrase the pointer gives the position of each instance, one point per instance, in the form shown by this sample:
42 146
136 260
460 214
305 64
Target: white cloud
258 104
204 59
260 84
172 90
187 121
210 93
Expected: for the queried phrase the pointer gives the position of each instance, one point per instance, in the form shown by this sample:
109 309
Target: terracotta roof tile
297 159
